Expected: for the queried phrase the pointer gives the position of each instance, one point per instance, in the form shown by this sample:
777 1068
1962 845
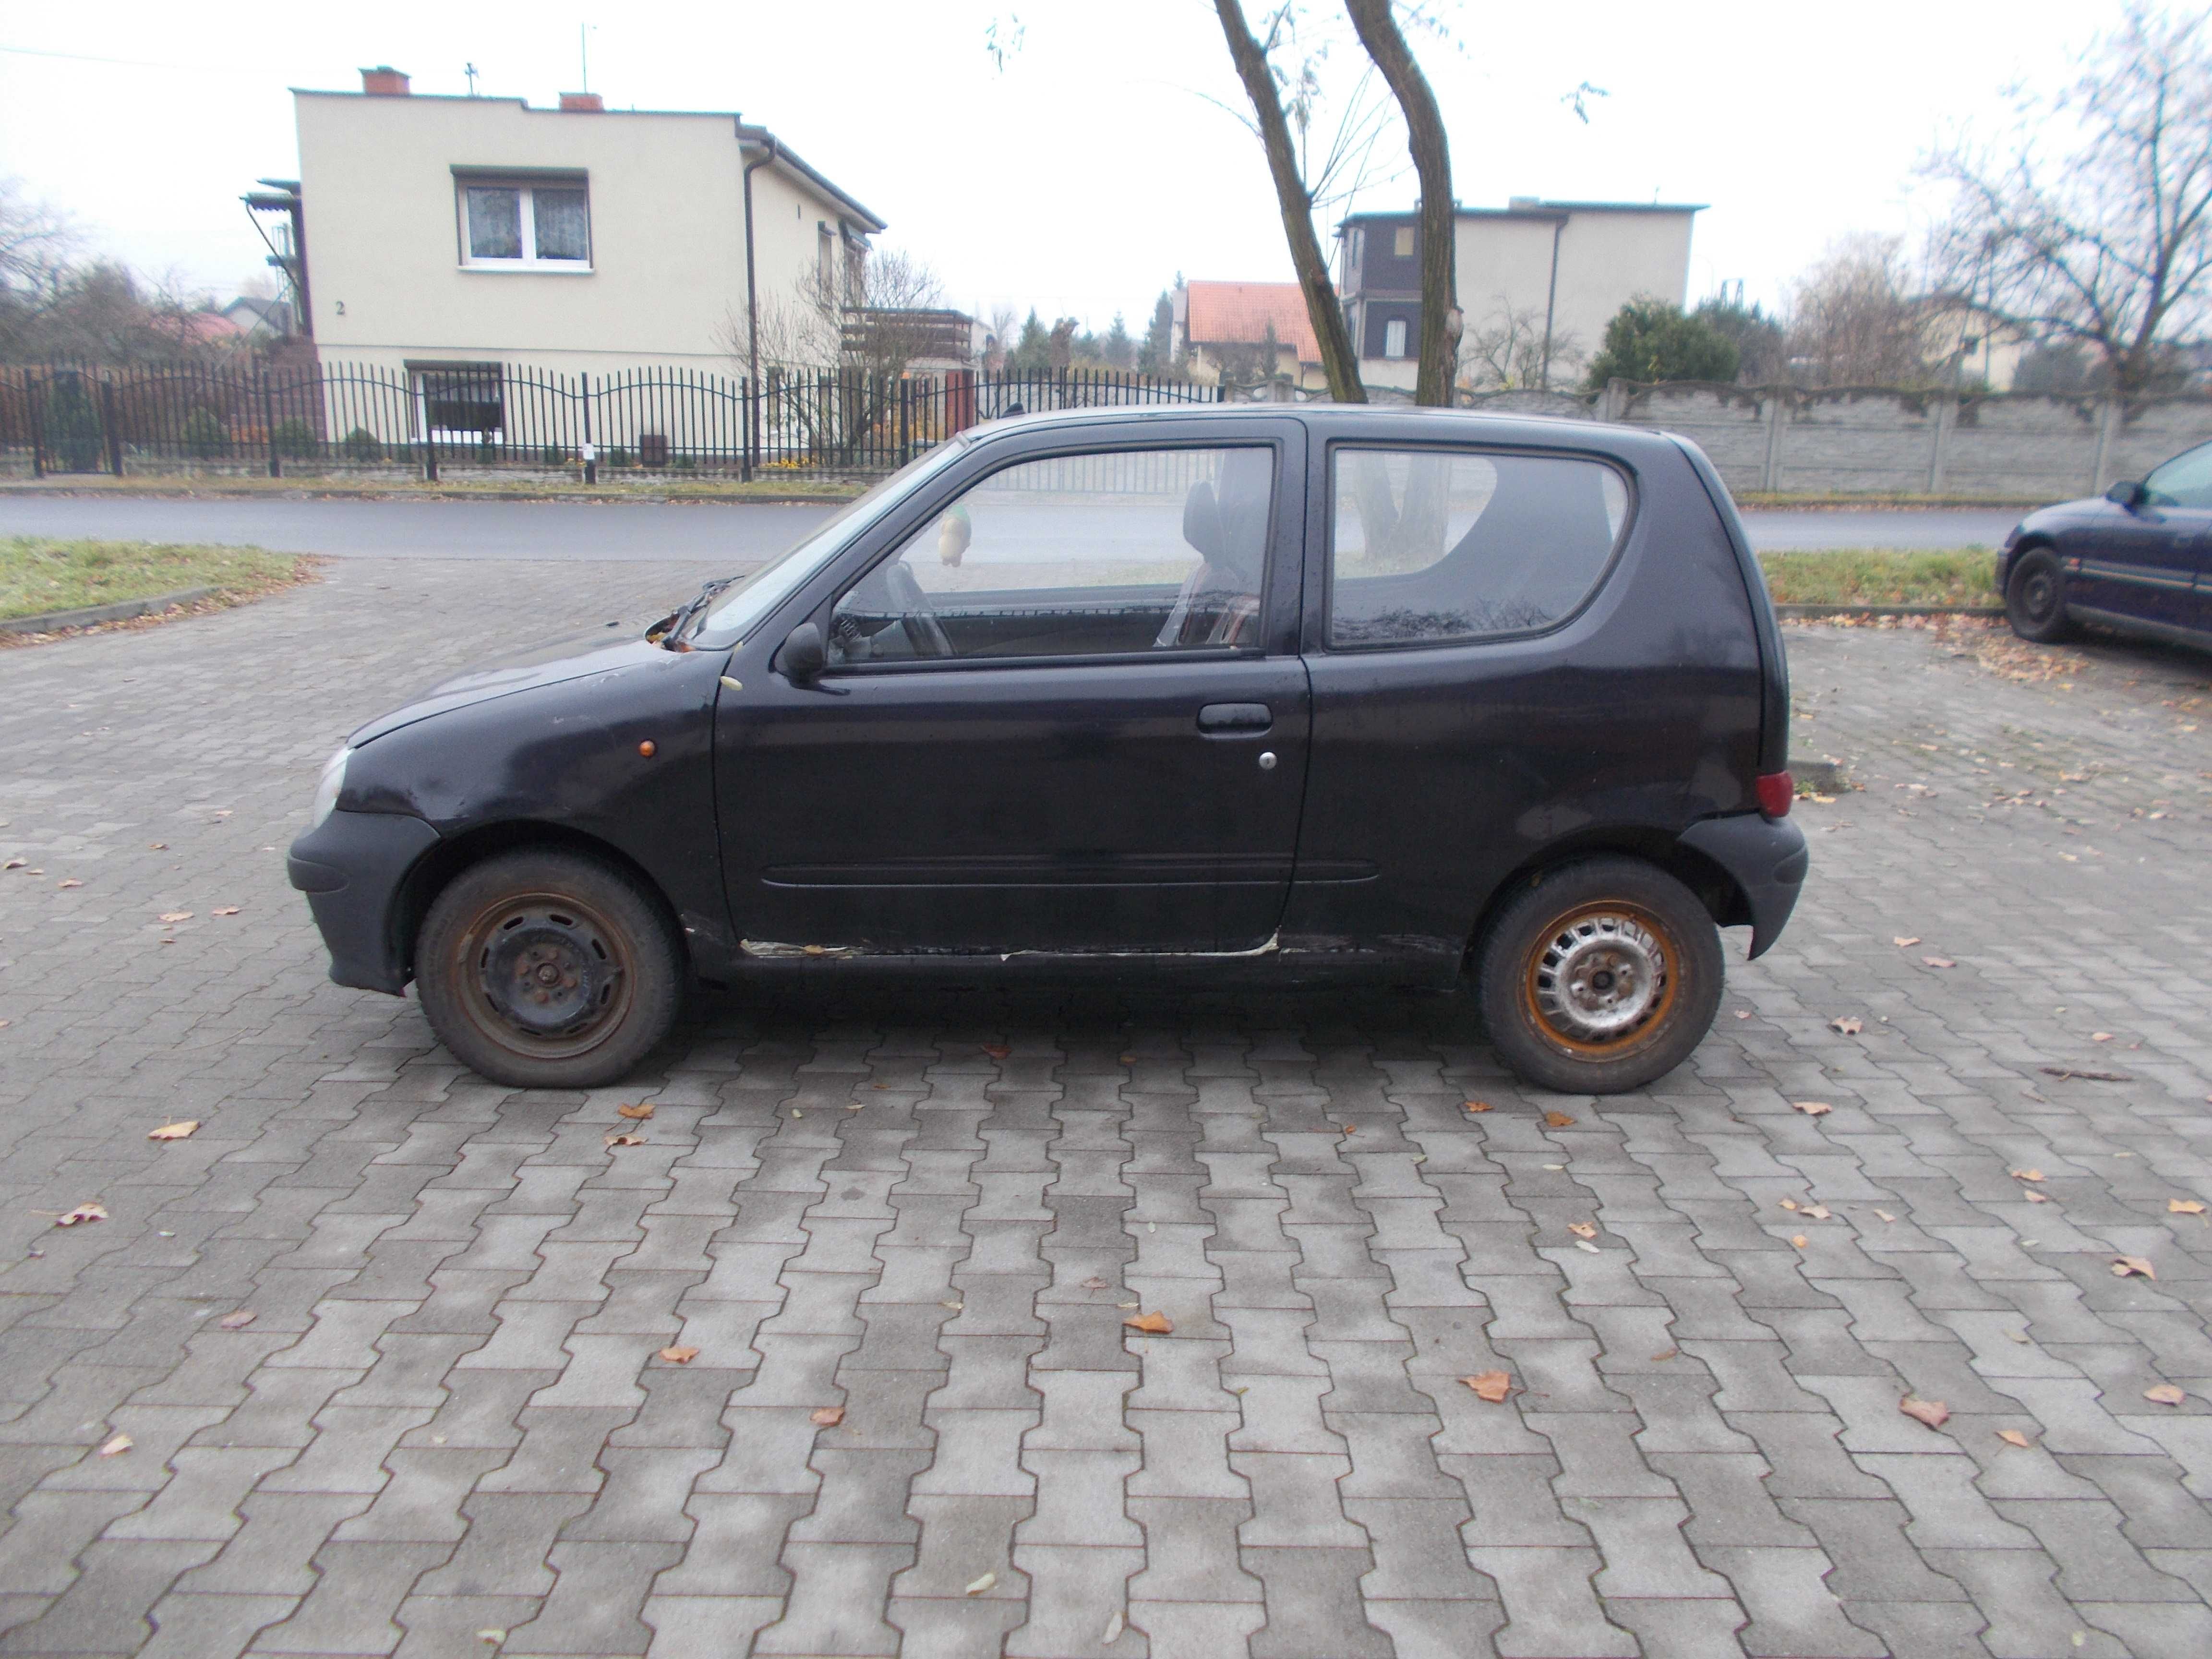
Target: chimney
589 101
384 81
1522 203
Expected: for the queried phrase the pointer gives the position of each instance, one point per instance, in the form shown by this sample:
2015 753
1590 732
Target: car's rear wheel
547 970
2035 596
1600 976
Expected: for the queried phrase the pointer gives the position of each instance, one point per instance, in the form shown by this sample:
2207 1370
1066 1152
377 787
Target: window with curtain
532 226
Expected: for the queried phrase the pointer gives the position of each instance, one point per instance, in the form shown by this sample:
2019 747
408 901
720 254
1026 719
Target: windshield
740 610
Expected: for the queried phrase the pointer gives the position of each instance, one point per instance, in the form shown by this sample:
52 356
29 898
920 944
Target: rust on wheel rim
543 975
1601 980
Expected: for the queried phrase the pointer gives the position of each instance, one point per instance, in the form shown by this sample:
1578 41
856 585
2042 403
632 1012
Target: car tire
549 969
1599 976
2035 596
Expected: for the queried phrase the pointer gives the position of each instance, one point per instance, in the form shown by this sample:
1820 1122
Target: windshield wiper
673 635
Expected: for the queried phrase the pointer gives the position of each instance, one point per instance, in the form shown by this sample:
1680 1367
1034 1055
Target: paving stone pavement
445 1429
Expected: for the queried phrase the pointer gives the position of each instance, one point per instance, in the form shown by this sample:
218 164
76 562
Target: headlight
326 790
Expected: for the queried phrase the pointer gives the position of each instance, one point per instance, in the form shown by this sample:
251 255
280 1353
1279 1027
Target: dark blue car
2138 558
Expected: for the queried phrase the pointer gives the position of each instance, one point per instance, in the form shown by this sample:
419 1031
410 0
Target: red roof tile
1240 312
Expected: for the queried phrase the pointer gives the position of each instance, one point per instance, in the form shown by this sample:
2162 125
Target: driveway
726 531
385 1338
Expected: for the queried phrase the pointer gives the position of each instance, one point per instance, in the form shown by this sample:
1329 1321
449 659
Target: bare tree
36 240
2092 220
1506 353
1300 187
1438 351
1852 318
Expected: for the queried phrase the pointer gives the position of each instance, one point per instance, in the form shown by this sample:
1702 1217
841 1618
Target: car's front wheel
543 968
2035 596
1600 976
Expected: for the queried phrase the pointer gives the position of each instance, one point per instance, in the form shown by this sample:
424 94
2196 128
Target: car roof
1406 420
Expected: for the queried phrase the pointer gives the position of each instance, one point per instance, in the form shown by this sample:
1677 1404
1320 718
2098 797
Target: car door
1063 711
2141 562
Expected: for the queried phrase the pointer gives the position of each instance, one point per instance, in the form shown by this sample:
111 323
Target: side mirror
801 658
2130 495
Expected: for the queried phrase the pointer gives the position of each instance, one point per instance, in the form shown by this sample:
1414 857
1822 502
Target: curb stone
120 610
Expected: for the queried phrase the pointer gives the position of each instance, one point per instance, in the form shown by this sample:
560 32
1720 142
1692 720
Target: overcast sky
1089 171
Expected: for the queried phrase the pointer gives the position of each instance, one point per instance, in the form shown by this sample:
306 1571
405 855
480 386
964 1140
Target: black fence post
268 423
108 426
32 391
744 430
906 420
591 452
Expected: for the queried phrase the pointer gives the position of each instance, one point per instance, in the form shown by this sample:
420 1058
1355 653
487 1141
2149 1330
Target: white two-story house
454 234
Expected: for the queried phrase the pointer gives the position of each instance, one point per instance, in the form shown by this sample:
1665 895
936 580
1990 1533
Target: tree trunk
1441 321
1338 360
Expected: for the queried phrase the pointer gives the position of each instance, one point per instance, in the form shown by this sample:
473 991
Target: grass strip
1872 576
40 574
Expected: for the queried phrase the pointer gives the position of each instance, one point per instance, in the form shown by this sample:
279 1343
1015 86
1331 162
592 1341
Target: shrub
205 437
554 455
362 445
616 458
73 434
295 440
1650 340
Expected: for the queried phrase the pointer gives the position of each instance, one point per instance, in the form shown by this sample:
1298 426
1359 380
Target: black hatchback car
1256 695
2137 558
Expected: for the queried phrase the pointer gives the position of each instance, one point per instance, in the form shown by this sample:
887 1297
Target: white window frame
1393 338
526 190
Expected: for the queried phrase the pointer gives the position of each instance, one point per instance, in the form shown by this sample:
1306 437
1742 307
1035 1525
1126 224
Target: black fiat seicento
1253 696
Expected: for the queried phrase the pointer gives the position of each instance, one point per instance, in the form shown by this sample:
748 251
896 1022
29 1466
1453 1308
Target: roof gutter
752 293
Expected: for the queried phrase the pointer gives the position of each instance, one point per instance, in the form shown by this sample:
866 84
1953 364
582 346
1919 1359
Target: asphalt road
745 531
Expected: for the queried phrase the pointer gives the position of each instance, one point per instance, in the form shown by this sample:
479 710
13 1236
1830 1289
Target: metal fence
646 421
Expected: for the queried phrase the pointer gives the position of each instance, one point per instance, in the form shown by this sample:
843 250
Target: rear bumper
352 866
1765 857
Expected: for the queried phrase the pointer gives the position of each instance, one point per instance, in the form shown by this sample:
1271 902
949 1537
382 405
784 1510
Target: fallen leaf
176 1131
2124 1265
2034 1197
1933 1412
1818 1212
1492 1386
1584 1244
2165 1395
1582 1229
1813 1108
2025 1174
977 1586
1558 1120
236 1321
2062 1072
1113 1631
1476 1106
1665 1354
2018 1336
1885 1215
625 1141
636 1114
122 1443
174 915
1351 1128
1094 1283
2184 1206
1128 1060
2101 1037
956 1307
15 863
158 845
829 1417
227 910
1939 961
2014 1437
1152 1324
1789 1203
71 882
1903 941
997 1050
1801 1241
679 1356
493 1637
1849 1025
1743 1013
94 1211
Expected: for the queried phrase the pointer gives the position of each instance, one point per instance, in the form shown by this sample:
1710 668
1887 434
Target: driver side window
1125 551
2184 481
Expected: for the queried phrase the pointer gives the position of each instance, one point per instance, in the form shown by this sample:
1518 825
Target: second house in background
1538 282
443 232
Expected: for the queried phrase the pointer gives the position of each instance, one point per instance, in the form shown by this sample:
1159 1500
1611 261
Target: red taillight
1776 791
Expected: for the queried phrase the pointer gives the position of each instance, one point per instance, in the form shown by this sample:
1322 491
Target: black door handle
1224 717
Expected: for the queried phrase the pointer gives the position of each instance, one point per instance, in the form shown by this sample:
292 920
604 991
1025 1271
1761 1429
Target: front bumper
1765 857
352 866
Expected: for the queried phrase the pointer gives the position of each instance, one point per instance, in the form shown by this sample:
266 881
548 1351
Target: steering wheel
923 631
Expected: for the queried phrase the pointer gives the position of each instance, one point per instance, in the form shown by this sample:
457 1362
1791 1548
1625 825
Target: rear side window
1433 545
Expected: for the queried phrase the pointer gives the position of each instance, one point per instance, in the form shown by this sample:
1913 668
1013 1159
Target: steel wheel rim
2038 596
1602 978
544 975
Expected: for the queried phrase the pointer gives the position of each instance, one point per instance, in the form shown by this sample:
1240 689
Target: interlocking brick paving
445 1427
